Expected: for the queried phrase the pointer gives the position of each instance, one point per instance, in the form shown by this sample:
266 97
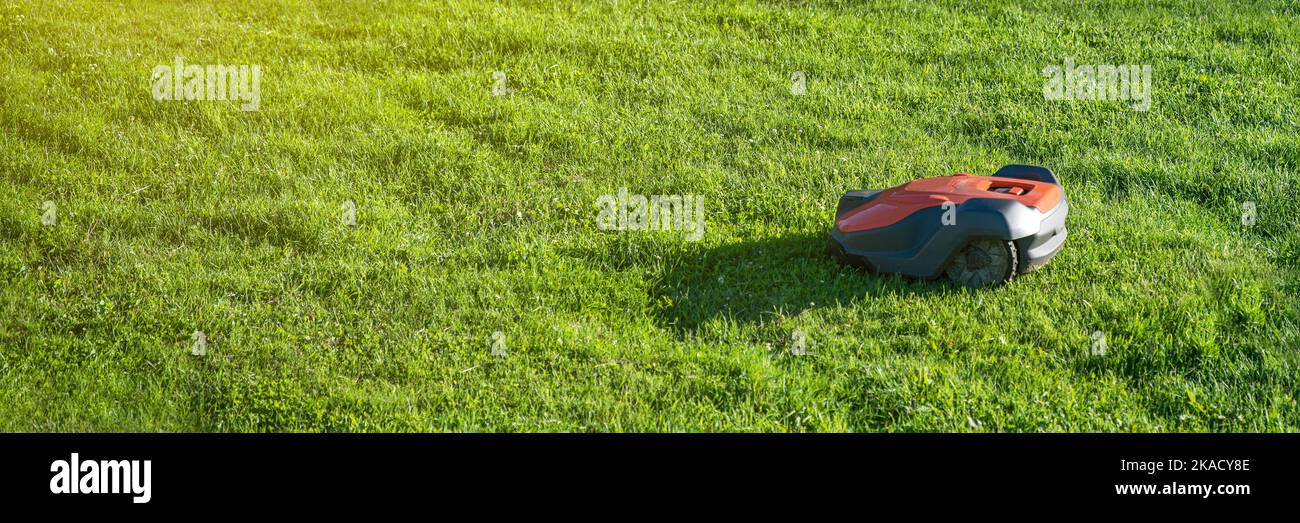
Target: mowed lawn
476 214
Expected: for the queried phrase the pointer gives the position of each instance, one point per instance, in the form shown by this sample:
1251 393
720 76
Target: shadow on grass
785 275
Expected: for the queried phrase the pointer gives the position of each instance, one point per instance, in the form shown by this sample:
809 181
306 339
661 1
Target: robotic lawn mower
977 230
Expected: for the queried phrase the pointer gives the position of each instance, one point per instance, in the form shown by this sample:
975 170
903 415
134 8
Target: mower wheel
984 262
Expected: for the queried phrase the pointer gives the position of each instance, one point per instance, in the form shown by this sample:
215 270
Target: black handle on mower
1027 172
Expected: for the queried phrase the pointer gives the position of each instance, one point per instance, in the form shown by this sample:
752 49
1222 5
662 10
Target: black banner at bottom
321 472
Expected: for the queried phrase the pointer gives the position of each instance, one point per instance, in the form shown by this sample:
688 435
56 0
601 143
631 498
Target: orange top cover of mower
896 203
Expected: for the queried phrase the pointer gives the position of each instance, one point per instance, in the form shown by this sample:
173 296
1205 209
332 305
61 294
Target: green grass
477 214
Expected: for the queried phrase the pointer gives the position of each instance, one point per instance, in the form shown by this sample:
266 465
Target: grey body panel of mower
921 245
